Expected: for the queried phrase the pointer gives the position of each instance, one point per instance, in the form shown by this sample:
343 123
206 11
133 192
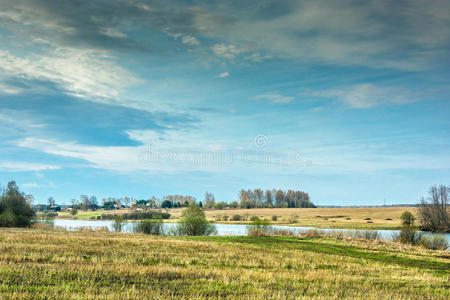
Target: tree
434 213
166 204
51 202
15 211
84 200
209 200
259 197
93 203
194 222
268 199
407 219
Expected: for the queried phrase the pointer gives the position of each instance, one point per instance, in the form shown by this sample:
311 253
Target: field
353 218
38 263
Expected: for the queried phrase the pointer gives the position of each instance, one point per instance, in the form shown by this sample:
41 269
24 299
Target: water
222 229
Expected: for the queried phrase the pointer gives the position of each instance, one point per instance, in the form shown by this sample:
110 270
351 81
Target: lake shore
364 218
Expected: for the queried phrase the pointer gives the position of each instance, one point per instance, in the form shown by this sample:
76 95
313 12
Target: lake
222 229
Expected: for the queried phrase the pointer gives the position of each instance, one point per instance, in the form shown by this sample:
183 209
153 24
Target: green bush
274 218
153 226
407 218
259 228
236 218
194 222
254 218
14 209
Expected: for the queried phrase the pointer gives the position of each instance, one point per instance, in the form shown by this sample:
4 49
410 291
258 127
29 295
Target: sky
346 100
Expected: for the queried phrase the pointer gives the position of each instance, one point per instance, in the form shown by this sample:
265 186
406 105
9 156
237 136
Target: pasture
39 263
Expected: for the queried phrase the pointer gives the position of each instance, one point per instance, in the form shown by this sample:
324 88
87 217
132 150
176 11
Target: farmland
58 264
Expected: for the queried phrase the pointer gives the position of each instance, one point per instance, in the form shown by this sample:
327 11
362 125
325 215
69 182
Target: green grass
57 264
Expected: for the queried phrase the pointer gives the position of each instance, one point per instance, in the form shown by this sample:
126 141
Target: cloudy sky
346 100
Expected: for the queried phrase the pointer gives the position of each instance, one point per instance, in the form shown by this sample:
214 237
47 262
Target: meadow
52 264
340 217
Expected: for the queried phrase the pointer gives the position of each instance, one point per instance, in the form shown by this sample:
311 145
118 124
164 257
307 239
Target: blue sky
346 100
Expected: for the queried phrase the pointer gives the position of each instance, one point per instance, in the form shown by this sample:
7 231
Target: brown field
54 264
318 217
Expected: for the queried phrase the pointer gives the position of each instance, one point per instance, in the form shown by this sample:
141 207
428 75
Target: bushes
408 235
407 218
274 218
14 209
194 222
236 218
259 228
138 215
434 242
117 225
151 226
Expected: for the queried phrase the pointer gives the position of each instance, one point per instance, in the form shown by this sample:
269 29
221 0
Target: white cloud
275 98
87 74
111 32
10 166
226 51
224 75
190 40
365 96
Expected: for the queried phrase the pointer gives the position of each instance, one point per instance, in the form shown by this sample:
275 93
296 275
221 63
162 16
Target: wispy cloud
11 166
364 96
275 98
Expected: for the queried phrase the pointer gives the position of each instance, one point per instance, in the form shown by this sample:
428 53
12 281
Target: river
222 229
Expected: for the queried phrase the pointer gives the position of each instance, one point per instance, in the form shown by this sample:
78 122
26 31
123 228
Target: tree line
259 198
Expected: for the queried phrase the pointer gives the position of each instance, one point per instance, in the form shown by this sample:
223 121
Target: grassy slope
70 265
314 217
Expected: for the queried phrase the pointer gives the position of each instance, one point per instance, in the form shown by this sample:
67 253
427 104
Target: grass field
353 218
48 264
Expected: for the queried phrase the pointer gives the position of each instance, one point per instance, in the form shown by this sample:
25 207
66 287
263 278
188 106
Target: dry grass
36 263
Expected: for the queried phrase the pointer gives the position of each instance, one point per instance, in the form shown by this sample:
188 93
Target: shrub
220 205
366 234
408 235
118 223
225 218
407 218
236 218
151 226
138 215
434 242
254 218
259 228
274 218
194 222
293 220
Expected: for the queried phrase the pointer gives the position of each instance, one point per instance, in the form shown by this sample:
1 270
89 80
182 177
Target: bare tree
209 200
434 213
